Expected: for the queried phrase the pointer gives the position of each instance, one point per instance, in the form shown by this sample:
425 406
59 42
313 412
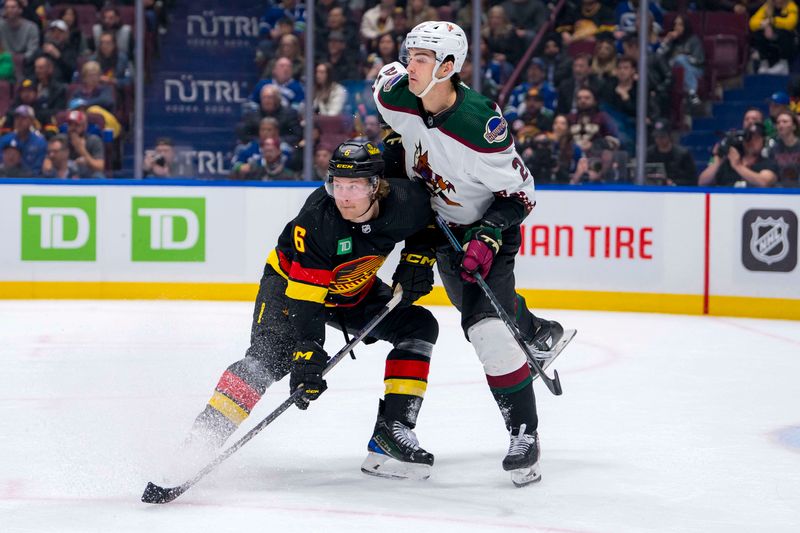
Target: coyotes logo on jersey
436 184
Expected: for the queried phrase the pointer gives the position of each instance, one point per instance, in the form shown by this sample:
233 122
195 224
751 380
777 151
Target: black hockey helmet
355 159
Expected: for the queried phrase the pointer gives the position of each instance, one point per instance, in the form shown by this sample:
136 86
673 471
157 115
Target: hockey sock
526 321
236 393
513 393
405 380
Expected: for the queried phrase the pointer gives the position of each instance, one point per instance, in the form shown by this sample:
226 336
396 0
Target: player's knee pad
418 323
496 347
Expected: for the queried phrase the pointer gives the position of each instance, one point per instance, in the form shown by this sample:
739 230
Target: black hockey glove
310 361
414 274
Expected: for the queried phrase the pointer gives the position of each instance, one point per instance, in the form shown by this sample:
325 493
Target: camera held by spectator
733 139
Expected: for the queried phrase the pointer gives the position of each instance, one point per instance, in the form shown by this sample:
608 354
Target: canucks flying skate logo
436 184
351 278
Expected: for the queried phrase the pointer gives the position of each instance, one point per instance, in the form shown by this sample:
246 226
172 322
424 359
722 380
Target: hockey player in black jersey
323 271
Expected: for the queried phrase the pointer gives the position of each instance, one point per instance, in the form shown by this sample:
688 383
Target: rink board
687 251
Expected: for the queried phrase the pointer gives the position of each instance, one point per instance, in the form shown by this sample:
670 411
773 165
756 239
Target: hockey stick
554 384
156 494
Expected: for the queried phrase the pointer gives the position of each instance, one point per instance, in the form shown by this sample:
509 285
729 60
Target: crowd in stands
66 75
572 109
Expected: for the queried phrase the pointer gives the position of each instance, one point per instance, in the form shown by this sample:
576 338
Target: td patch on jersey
496 130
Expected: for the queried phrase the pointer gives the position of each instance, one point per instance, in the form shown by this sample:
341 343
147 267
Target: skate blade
525 476
545 359
380 465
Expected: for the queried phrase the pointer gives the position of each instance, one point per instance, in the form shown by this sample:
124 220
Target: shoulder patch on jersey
496 130
391 83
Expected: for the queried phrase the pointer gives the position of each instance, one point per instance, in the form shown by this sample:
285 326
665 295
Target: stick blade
155 494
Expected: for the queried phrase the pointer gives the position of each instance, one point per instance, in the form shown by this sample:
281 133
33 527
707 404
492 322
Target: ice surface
667 423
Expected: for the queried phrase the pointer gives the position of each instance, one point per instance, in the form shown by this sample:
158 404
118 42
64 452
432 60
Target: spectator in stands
678 162
503 41
25 94
293 10
85 149
110 121
248 153
19 36
289 47
268 43
28 139
338 22
161 161
12 166
271 106
534 79
464 16
51 94
292 92
386 53
58 164
786 149
619 99
342 60
581 78
329 96
420 11
571 163
626 14
594 131
584 21
58 48
558 66
683 48
376 21
7 71
778 103
730 167
322 156
92 90
489 87
110 21
533 118
604 60
495 66
659 75
773 35
76 37
270 167
115 69
527 16
373 132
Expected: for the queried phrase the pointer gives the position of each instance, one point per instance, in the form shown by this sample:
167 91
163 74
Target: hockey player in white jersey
459 145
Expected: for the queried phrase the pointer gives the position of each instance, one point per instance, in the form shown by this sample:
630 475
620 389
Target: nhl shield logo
769 240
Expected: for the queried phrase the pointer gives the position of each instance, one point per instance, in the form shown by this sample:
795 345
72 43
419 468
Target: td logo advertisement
59 228
168 229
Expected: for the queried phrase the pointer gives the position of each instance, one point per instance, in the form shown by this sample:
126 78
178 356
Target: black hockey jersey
331 262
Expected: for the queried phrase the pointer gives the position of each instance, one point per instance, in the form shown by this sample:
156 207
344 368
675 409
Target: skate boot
547 335
394 452
522 459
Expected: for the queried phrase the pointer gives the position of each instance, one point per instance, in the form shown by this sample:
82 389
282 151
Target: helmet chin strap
434 80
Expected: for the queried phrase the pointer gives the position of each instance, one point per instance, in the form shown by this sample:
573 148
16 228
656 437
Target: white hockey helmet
443 39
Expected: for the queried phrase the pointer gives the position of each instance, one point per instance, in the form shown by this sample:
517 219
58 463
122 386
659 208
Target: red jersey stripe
510 379
314 276
235 388
407 369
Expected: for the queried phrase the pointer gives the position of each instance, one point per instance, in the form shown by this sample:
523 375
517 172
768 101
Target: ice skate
548 342
522 459
394 452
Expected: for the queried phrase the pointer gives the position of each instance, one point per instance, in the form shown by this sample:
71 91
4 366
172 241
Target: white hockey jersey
464 156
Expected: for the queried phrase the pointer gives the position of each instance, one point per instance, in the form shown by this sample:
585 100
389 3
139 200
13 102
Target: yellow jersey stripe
228 407
413 387
309 293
